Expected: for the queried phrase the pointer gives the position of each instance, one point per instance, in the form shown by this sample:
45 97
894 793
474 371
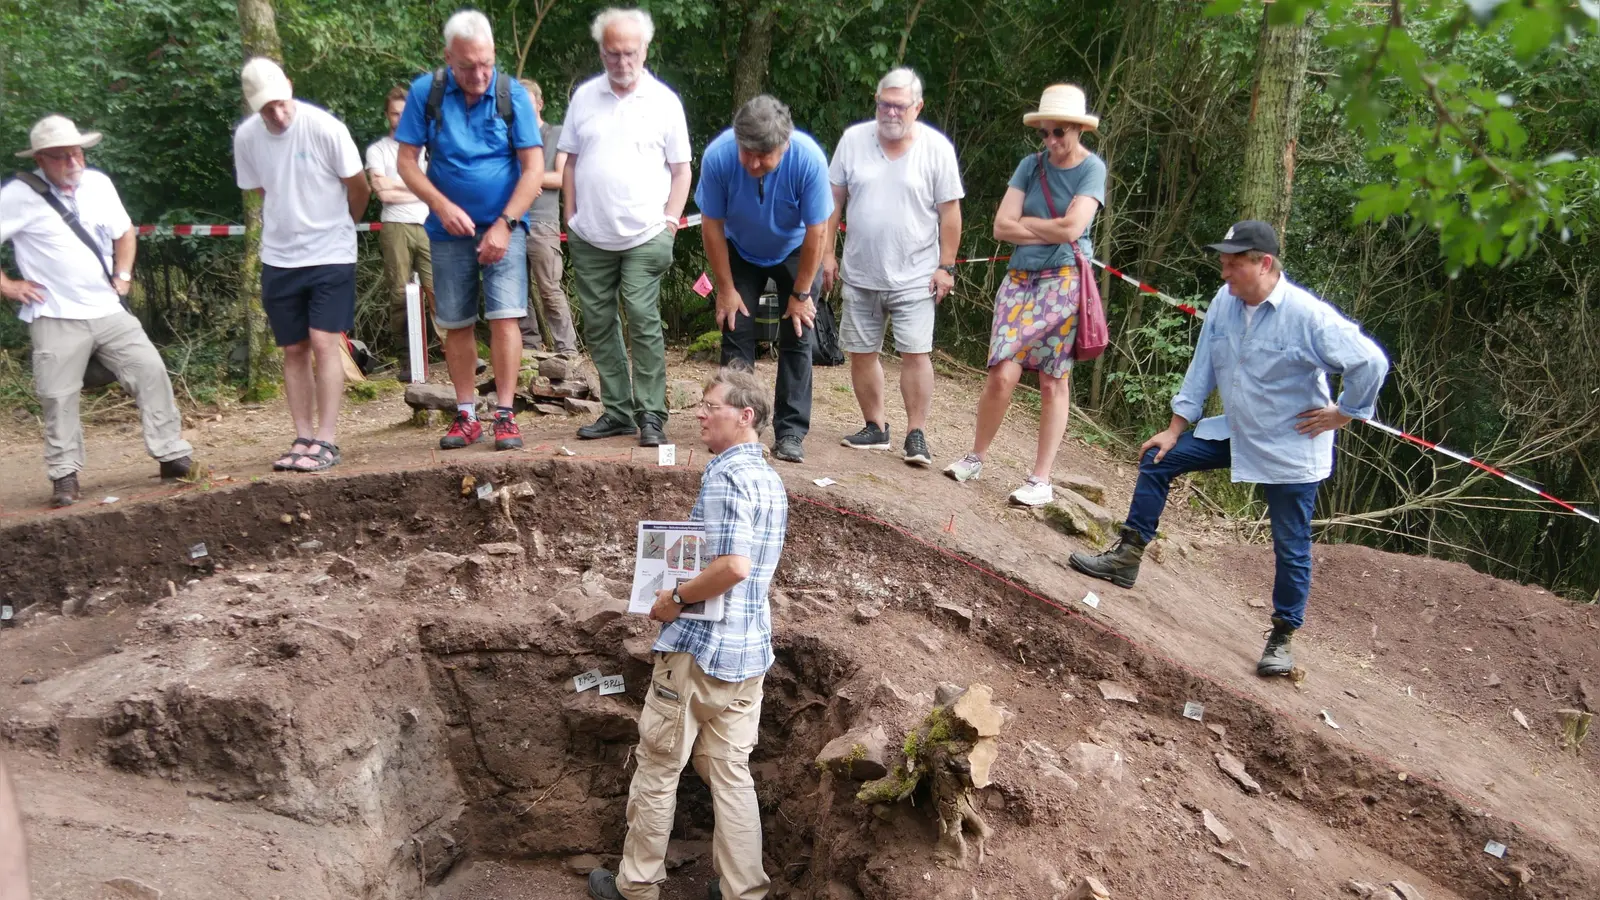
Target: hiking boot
965 469
64 490
916 451
651 434
463 431
714 889
605 427
788 449
1278 657
1119 565
870 437
1034 492
174 469
603 885
507 436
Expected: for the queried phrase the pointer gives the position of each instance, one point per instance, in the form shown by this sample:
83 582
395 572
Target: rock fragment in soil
1233 768
582 864
858 755
579 407
1083 485
1219 831
866 612
1110 690
503 548
1406 891
1290 841
1089 888
441 397
134 888
555 368
1521 719
1233 859
930 643
1368 891
1096 762
960 615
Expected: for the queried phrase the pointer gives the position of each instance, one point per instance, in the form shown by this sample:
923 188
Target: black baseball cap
1248 235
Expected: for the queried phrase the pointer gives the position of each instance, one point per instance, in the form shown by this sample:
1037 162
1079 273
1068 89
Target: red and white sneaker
463 431
507 436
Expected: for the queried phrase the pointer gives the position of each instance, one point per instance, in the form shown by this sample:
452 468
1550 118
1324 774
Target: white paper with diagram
668 554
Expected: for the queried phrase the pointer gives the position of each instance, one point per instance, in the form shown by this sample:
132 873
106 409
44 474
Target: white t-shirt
305 217
50 254
892 214
383 158
623 146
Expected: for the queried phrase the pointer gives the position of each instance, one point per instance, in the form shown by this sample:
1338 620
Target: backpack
825 344
431 111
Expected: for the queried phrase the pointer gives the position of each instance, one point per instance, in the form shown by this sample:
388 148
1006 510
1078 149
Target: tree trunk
258 34
1274 128
755 52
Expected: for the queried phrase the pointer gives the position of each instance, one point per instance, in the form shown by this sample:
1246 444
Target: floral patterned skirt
1036 320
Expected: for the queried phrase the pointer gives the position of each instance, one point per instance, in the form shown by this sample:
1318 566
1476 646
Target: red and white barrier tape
238 230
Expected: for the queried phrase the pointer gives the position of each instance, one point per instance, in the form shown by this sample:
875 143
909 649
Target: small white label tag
823 482
667 455
612 684
1195 711
583 682
1091 601
197 551
1495 849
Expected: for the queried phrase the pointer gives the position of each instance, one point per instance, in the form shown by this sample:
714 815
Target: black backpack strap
502 105
40 187
431 110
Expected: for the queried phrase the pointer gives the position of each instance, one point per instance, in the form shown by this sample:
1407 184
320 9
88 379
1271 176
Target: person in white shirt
903 187
624 186
306 167
71 295
402 239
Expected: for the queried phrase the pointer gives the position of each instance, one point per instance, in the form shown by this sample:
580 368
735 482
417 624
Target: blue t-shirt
768 224
1087 178
470 160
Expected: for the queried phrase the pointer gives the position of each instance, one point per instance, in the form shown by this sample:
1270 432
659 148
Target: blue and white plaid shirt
746 513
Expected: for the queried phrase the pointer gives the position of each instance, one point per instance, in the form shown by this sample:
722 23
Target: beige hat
1063 103
264 83
57 131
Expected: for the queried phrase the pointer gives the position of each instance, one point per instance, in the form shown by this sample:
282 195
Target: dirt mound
375 698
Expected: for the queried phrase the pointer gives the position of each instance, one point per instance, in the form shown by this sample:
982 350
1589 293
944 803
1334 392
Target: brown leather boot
64 490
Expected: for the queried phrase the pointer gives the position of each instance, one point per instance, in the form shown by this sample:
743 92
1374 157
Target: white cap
264 83
57 131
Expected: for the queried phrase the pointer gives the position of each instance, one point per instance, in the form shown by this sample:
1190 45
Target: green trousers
616 283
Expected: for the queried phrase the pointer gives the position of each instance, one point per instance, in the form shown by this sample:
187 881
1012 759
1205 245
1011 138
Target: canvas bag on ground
1093 333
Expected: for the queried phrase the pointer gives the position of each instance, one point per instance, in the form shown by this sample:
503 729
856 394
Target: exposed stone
929 643
345 567
504 548
1068 519
1095 762
555 368
582 864
1290 841
343 635
577 407
309 546
133 887
1048 762
1406 891
640 647
1221 832
858 755
550 409
1232 858
1233 768
961 614
600 717
1102 517
1112 691
980 758
573 390
684 394
1089 888
1083 485
431 396
976 708
866 612
430 567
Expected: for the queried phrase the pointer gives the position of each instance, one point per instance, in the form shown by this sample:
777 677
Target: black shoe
174 469
917 452
603 885
651 432
605 427
1119 565
64 490
1277 658
870 437
788 449
714 889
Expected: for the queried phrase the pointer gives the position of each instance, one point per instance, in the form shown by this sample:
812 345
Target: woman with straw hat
1050 201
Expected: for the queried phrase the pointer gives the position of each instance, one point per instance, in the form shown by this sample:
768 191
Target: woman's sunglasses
1045 133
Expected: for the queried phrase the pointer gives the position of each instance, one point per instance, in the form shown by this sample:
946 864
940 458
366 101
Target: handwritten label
1195 711
583 682
198 551
667 455
485 491
1091 601
612 684
823 482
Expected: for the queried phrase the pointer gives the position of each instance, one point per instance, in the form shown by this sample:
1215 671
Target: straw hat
1063 103
57 131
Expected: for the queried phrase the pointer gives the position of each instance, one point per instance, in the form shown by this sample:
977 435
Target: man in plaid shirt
704 700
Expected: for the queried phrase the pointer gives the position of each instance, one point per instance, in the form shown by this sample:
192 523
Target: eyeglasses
620 55
62 155
1045 133
898 109
707 406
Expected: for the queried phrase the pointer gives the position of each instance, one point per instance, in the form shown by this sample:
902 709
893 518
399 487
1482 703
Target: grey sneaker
603 885
788 449
916 452
870 437
965 469
1277 658
1119 565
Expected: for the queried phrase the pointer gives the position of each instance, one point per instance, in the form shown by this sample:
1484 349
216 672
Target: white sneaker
1033 493
965 469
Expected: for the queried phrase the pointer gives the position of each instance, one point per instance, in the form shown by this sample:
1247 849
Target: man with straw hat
75 246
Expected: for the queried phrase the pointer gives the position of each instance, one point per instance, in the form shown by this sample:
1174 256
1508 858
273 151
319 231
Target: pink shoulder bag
1093 334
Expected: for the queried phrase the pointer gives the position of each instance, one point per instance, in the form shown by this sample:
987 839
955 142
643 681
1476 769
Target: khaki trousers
405 250
549 322
690 716
61 351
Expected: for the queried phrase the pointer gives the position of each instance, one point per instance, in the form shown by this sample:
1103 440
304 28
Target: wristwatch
511 221
803 296
676 597
125 276
951 269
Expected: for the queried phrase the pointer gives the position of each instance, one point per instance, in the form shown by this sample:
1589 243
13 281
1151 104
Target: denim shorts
455 281
299 299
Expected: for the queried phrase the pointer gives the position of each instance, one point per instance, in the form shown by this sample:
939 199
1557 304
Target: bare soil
374 700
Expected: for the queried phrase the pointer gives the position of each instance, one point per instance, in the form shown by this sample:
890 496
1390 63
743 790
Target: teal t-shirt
1087 178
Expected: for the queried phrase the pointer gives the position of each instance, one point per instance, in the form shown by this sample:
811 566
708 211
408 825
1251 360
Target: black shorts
300 299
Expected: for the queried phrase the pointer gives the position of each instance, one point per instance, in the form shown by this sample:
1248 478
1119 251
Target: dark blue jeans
1289 506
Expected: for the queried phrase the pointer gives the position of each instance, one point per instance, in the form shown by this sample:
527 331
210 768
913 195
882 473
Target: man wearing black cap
1268 345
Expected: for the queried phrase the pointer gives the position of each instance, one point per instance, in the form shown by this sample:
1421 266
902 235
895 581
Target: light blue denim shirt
1271 370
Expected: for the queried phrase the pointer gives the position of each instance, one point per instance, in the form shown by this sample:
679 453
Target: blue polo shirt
470 161
768 224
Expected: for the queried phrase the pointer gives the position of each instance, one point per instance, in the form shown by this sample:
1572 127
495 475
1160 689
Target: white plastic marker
582 682
198 550
416 332
1195 711
1091 601
1495 849
823 482
109 500
612 684
667 455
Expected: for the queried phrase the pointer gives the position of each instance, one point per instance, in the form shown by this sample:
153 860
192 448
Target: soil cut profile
363 687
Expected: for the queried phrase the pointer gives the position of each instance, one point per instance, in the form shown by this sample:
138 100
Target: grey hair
468 25
902 78
1259 255
762 124
741 390
647 27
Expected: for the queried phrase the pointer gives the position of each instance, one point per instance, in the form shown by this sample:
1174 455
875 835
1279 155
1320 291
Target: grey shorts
866 313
